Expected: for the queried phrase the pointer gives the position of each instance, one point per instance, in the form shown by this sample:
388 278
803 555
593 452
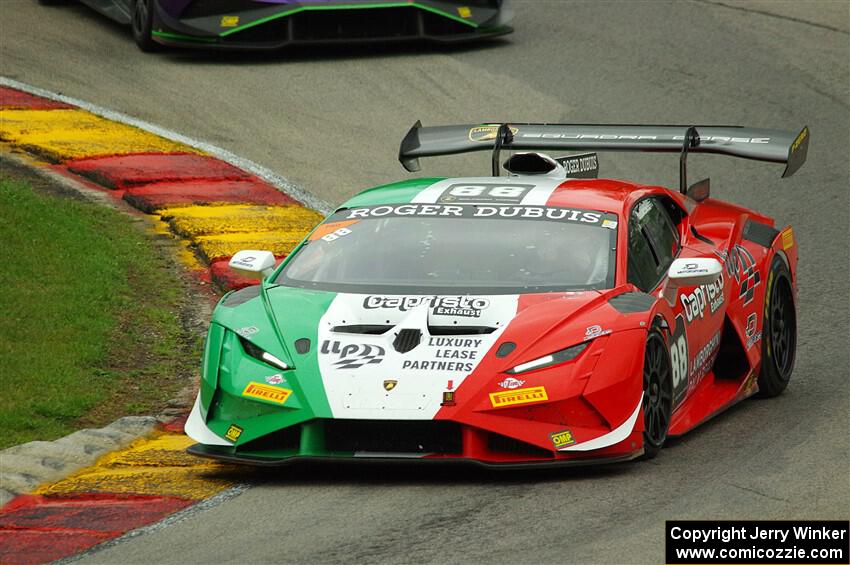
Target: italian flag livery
500 320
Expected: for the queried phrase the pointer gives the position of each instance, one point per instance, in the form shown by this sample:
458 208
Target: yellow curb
60 135
196 221
217 246
157 465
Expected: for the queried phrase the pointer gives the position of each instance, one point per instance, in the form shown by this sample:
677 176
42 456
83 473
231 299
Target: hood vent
406 340
460 330
370 329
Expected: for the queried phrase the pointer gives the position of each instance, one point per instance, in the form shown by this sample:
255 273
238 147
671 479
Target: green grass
89 315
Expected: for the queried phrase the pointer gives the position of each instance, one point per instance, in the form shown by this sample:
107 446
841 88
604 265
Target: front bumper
212 452
426 441
280 25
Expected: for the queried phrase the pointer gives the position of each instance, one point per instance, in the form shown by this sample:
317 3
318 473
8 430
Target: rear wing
770 145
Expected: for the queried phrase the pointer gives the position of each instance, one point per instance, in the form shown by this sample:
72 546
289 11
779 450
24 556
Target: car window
653 243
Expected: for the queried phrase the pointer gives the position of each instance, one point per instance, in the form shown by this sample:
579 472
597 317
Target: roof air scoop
534 164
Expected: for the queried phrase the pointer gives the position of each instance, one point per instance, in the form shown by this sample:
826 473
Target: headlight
556 358
261 355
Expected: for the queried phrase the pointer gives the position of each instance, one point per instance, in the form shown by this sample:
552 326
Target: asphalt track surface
330 120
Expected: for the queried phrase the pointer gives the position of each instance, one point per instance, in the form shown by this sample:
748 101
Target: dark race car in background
548 317
271 24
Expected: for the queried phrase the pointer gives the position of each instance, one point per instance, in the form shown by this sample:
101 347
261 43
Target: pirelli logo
267 393
518 396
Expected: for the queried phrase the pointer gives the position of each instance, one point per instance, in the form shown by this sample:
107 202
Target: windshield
434 248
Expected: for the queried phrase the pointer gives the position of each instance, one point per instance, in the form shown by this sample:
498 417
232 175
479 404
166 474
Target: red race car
546 317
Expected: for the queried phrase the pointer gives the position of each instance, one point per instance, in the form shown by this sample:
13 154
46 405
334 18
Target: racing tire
779 332
657 393
142 25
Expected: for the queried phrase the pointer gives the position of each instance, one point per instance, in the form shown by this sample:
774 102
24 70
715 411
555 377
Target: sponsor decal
583 166
753 333
562 439
610 224
353 355
787 239
679 360
594 331
742 266
437 365
496 211
482 192
800 138
248 331
511 383
486 133
448 398
464 12
275 379
703 360
448 354
233 432
229 21
265 392
704 296
466 306
613 137
390 384
331 228
518 396
693 269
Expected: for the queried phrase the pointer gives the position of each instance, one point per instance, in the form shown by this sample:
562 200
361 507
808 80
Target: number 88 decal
493 191
336 234
679 360
505 193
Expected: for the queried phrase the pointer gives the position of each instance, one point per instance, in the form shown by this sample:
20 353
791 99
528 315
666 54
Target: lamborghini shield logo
389 385
486 133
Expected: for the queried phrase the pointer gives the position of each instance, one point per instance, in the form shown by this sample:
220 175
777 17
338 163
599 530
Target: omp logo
562 439
353 355
518 396
233 432
267 393
486 133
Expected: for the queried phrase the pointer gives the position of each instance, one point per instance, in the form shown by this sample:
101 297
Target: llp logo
353 355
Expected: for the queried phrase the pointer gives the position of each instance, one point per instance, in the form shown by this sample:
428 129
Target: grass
89 315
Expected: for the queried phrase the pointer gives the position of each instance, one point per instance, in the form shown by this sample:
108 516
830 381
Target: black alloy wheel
779 334
142 24
657 393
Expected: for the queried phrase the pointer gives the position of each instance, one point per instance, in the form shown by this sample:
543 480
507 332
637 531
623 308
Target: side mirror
253 264
700 190
690 272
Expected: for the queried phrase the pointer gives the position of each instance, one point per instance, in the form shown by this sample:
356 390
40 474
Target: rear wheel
142 25
657 393
779 333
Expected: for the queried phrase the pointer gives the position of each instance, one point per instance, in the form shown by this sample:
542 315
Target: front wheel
779 334
142 25
657 393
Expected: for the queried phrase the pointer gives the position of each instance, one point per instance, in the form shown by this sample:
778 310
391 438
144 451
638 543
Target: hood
393 356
